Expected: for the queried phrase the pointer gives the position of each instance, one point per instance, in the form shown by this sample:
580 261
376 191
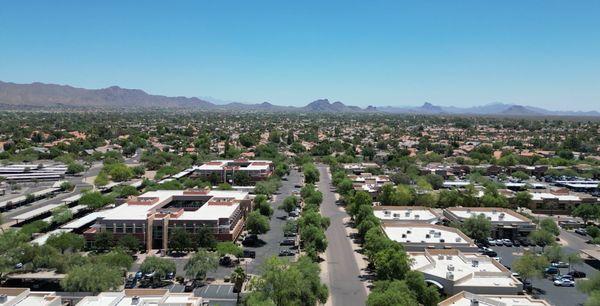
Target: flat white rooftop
425 233
406 213
146 297
466 299
492 214
221 204
540 196
464 269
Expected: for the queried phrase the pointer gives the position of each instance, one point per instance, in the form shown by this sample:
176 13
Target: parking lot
544 288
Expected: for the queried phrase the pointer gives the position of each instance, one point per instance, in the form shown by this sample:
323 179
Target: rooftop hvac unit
442 240
407 214
450 267
386 212
396 215
450 275
468 210
449 257
494 211
441 256
431 231
475 263
403 235
501 216
408 231
458 239
437 234
417 217
474 302
3 298
135 300
427 236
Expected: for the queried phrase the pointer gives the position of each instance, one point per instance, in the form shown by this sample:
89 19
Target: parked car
249 254
524 242
130 282
565 276
191 285
251 240
507 242
560 264
288 242
577 274
551 271
564 283
516 243
227 261
139 274
286 253
491 242
527 286
581 231
490 253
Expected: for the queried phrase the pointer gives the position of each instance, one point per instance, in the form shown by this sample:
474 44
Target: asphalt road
344 283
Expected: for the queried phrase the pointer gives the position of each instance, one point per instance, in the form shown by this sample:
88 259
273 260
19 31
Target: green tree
74 168
115 258
129 243
92 278
289 204
257 224
241 178
530 265
311 174
200 263
104 241
205 238
550 226
541 238
228 247
283 283
522 199
180 240
66 241
520 175
391 263
61 214
591 287
160 266
391 293
477 227
586 212
94 200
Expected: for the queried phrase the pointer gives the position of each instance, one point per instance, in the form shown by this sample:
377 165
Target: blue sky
541 53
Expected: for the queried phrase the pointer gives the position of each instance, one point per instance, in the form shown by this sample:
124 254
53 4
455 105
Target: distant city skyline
385 53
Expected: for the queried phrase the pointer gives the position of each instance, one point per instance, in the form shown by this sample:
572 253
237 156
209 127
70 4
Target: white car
564 282
491 241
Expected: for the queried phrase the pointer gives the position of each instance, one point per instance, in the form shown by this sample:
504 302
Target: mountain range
50 95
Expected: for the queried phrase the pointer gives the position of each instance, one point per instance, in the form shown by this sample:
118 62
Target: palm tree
238 276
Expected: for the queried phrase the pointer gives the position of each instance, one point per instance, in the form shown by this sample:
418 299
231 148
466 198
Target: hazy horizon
536 53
